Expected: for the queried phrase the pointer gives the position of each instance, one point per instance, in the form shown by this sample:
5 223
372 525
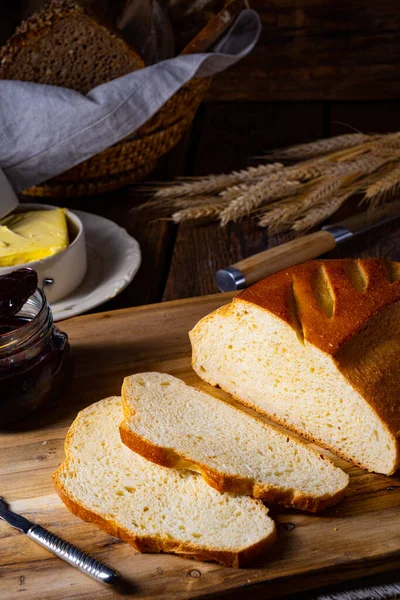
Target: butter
32 235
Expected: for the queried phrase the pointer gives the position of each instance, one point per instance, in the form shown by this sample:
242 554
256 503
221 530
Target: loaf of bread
63 45
154 508
315 347
176 425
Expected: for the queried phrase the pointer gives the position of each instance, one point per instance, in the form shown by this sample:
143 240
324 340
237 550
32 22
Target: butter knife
64 550
252 269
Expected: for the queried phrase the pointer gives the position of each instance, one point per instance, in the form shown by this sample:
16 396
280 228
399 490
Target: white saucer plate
113 260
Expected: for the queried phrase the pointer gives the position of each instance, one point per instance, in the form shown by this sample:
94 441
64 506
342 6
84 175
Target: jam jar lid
15 290
35 357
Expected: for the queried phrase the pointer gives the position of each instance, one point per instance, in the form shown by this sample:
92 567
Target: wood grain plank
230 134
318 50
376 117
356 537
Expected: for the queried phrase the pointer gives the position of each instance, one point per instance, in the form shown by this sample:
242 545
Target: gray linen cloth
45 130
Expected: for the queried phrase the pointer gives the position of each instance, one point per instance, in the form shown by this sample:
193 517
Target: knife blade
252 269
64 550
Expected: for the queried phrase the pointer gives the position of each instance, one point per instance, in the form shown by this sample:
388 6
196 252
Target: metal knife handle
254 268
72 555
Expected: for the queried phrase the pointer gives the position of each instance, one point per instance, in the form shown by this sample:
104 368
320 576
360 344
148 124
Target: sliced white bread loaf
176 425
317 348
153 508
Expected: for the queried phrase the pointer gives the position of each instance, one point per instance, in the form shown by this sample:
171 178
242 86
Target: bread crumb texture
179 426
316 349
156 509
63 45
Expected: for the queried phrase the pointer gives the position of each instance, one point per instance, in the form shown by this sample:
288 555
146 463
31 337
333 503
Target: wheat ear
206 211
384 186
281 214
390 140
321 213
281 217
256 195
323 201
234 191
213 184
319 147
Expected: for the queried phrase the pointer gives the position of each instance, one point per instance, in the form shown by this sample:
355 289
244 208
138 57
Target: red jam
35 357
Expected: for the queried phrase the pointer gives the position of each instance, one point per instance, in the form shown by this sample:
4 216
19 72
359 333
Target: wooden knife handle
275 259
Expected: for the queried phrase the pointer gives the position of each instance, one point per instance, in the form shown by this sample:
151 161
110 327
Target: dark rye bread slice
66 46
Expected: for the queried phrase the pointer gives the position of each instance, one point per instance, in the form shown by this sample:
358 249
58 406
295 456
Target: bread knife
64 550
252 269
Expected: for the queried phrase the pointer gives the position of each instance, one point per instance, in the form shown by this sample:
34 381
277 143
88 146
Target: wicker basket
132 158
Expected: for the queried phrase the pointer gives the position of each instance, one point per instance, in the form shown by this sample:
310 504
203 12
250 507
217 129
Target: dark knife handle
72 555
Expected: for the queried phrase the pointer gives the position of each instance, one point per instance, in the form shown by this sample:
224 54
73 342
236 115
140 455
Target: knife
64 550
252 269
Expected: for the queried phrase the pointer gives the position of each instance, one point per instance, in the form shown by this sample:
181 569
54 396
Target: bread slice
315 347
63 45
153 508
176 425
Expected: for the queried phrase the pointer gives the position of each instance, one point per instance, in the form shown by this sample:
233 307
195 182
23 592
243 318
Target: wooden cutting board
358 537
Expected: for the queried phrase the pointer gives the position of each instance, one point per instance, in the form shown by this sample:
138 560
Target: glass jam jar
35 361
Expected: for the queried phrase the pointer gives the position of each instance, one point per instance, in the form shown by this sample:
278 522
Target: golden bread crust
374 372
355 320
351 308
150 544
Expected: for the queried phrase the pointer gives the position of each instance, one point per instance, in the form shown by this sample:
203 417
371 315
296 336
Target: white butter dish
63 272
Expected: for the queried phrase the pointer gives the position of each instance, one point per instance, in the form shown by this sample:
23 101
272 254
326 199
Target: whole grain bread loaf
315 347
154 508
65 45
178 426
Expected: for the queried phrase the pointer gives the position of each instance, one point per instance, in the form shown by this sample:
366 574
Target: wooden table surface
358 536
180 261
321 68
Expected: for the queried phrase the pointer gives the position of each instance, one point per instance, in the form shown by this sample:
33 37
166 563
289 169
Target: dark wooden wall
320 50
322 67
309 50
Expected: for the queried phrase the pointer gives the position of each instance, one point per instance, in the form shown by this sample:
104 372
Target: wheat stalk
383 187
299 195
391 140
320 213
364 166
207 211
313 169
286 213
234 191
319 147
281 214
260 193
215 183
